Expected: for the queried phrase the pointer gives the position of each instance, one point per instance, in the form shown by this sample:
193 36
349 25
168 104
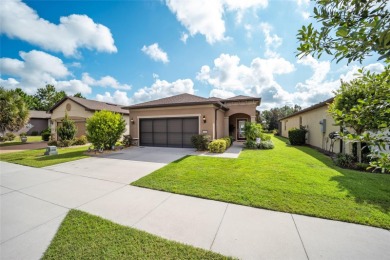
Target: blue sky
134 51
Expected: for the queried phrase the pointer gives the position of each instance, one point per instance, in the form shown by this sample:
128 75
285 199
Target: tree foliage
79 95
270 118
48 97
68 129
105 128
363 104
14 113
350 29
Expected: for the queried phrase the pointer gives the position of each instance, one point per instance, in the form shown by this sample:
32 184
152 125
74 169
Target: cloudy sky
127 52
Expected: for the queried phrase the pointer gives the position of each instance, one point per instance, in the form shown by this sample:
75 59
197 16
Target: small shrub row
82 140
7 137
200 142
127 139
297 136
217 146
345 160
46 134
228 140
267 144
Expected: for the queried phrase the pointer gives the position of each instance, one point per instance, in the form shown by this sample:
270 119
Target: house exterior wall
220 124
245 107
181 111
311 119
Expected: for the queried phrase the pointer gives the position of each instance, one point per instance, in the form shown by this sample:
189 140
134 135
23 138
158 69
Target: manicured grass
84 236
290 179
16 141
35 158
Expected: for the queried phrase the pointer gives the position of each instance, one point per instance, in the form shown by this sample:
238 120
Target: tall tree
48 96
32 102
351 30
13 111
363 104
79 95
270 118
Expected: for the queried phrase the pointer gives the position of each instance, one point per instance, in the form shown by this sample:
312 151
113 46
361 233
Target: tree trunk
359 151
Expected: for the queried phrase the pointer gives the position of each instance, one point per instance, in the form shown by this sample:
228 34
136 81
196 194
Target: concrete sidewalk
232 152
35 201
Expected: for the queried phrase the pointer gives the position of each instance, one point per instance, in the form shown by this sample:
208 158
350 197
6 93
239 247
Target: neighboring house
319 124
79 109
172 121
39 121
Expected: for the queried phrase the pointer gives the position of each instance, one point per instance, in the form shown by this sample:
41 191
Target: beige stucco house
79 109
172 121
319 124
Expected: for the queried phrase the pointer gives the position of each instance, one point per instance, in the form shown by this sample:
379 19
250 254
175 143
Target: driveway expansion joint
300 238
219 226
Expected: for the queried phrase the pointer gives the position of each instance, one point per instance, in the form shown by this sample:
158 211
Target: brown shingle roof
241 98
39 114
93 105
321 104
186 100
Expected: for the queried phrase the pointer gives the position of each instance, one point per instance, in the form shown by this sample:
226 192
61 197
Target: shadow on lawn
371 188
75 154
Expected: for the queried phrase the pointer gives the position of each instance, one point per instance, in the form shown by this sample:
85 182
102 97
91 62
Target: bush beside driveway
288 179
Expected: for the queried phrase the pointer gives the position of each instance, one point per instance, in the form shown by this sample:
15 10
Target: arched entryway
236 125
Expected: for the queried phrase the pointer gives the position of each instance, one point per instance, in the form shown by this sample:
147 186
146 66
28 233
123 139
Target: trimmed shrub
10 136
217 146
65 143
46 134
35 133
266 145
127 140
23 134
250 144
345 160
297 136
200 142
231 140
82 140
105 128
228 141
68 129
52 143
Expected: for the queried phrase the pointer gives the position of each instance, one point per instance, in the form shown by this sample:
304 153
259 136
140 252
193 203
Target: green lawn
16 141
35 158
289 179
84 236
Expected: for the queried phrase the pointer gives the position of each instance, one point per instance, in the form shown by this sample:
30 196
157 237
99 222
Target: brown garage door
168 132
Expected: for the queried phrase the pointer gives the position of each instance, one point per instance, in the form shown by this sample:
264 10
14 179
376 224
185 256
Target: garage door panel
190 125
146 126
175 139
174 125
160 125
160 139
147 139
187 140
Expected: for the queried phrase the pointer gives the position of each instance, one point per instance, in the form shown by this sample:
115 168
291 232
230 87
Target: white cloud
159 89
184 37
37 68
229 77
163 88
106 81
318 87
75 31
206 17
303 6
119 97
272 41
155 53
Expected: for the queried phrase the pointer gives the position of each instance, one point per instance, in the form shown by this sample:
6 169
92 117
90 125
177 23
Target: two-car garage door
168 132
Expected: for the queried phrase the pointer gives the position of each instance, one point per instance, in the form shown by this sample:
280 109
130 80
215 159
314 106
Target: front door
240 129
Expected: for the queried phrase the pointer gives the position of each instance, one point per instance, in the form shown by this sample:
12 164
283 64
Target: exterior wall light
204 119
132 121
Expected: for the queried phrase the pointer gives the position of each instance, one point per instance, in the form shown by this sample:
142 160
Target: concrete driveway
35 201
